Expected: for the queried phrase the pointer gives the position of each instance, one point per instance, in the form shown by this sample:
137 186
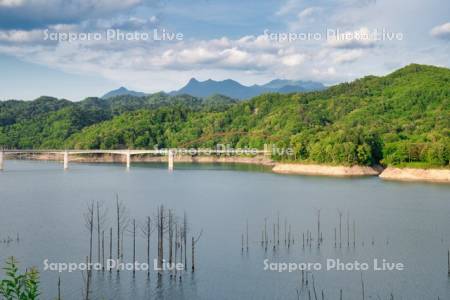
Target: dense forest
399 119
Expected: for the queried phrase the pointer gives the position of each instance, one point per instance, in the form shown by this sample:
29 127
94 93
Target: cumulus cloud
122 22
441 31
224 53
243 57
11 3
347 56
293 60
324 73
361 38
21 36
247 58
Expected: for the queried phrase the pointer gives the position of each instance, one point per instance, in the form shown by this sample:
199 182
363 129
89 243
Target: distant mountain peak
236 90
121 91
230 88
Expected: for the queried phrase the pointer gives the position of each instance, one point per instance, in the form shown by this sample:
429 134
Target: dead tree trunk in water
340 229
185 239
147 233
59 288
265 232
89 222
289 236
193 251
246 232
278 228
118 229
98 232
88 280
103 250
348 230
448 262
362 286
170 237
318 228
194 242
176 246
122 224
160 237
274 237
121 246
334 237
110 244
181 244
101 220
134 246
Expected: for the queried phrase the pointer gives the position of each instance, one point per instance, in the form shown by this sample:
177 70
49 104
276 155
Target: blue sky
221 39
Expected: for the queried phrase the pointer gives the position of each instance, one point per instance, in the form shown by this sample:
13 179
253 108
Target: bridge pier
170 160
66 160
267 151
1 160
128 156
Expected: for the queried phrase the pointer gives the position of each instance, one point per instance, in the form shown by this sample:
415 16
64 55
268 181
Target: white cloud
324 73
11 3
21 36
441 31
348 56
362 38
308 12
293 60
247 58
242 58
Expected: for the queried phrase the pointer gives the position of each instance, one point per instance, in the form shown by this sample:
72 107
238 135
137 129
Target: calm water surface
400 222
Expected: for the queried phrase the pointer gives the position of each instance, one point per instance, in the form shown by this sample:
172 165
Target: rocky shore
410 174
325 170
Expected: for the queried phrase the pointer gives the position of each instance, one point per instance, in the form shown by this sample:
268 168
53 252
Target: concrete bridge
170 153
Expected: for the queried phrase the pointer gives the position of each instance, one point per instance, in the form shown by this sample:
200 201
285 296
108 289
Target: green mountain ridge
399 119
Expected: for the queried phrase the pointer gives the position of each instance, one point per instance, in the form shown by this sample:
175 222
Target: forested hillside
399 119
48 122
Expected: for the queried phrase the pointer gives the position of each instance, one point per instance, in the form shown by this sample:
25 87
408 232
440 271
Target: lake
407 223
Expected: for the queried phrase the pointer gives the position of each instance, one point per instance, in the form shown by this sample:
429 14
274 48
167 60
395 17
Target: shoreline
325 170
389 173
416 175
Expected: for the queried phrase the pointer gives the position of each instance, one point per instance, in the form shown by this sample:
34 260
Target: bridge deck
134 152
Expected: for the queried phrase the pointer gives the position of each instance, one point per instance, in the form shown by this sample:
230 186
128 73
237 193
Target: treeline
399 119
49 122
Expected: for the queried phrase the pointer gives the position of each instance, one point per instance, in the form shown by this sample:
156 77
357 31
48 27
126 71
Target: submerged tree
146 232
89 222
101 221
194 242
122 223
